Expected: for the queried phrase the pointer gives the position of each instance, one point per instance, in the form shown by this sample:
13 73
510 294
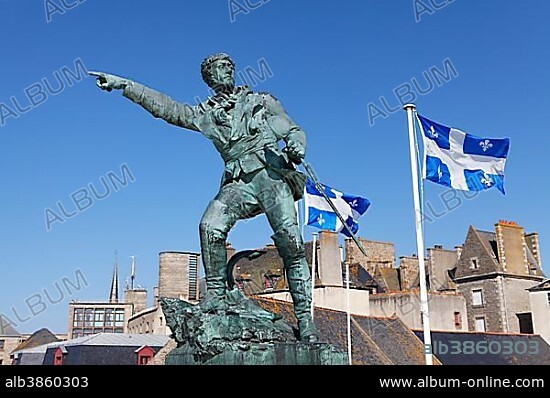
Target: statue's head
218 71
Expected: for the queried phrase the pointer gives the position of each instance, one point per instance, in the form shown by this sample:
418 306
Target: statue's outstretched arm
158 104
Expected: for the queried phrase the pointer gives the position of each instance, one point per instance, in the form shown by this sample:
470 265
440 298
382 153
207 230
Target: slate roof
521 342
270 262
541 286
38 338
489 241
387 279
7 329
361 278
254 270
118 339
30 356
105 348
376 340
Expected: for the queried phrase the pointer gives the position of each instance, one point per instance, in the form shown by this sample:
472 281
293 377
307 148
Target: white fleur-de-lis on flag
320 220
485 145
433 133
487 180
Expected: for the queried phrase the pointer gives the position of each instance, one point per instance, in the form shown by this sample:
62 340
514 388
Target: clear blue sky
329 60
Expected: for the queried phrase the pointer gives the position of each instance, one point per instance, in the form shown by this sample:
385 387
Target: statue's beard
225 86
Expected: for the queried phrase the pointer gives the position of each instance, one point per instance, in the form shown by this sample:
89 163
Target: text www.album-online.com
484 382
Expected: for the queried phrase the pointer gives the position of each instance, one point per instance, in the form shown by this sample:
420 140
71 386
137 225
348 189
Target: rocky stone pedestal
238 332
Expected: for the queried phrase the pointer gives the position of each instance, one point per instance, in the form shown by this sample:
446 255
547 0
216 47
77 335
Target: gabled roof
375 340
38 338
489 241
387 279
104 349
480 245
360 277
6 328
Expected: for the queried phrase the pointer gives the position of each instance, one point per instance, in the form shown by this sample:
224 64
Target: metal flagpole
313 270
319 187
410 109
348 314
304 221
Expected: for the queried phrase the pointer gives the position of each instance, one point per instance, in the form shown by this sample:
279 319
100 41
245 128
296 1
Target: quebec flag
319 213
460 160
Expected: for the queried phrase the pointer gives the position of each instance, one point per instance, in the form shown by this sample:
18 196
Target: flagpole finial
409 106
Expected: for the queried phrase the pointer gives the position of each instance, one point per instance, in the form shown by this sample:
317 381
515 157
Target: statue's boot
214 258
291 249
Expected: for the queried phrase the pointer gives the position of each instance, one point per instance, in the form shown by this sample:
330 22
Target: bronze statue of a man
246 128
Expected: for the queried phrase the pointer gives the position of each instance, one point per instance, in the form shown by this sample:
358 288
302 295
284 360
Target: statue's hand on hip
108 82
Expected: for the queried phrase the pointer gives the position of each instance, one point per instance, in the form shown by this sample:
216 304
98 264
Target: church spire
113 297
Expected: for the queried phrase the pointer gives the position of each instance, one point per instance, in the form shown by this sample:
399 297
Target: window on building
109 317
119 317
480 324
2 344
88 317
474 263
99 317
548 298
58 356
78 320
525 322
477 298
458 320
160 319
144 360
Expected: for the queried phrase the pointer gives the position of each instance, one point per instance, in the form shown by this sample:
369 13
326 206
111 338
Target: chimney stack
330 264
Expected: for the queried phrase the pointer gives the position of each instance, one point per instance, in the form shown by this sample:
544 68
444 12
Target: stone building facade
447 310
178 278
149 321
379 254
408 272
493 274
9 340
439 262
179 275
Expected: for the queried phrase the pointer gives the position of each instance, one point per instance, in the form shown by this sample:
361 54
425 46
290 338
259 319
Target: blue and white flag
460 160
319 213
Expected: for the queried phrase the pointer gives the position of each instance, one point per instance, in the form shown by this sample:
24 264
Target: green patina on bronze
246 129
242 334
